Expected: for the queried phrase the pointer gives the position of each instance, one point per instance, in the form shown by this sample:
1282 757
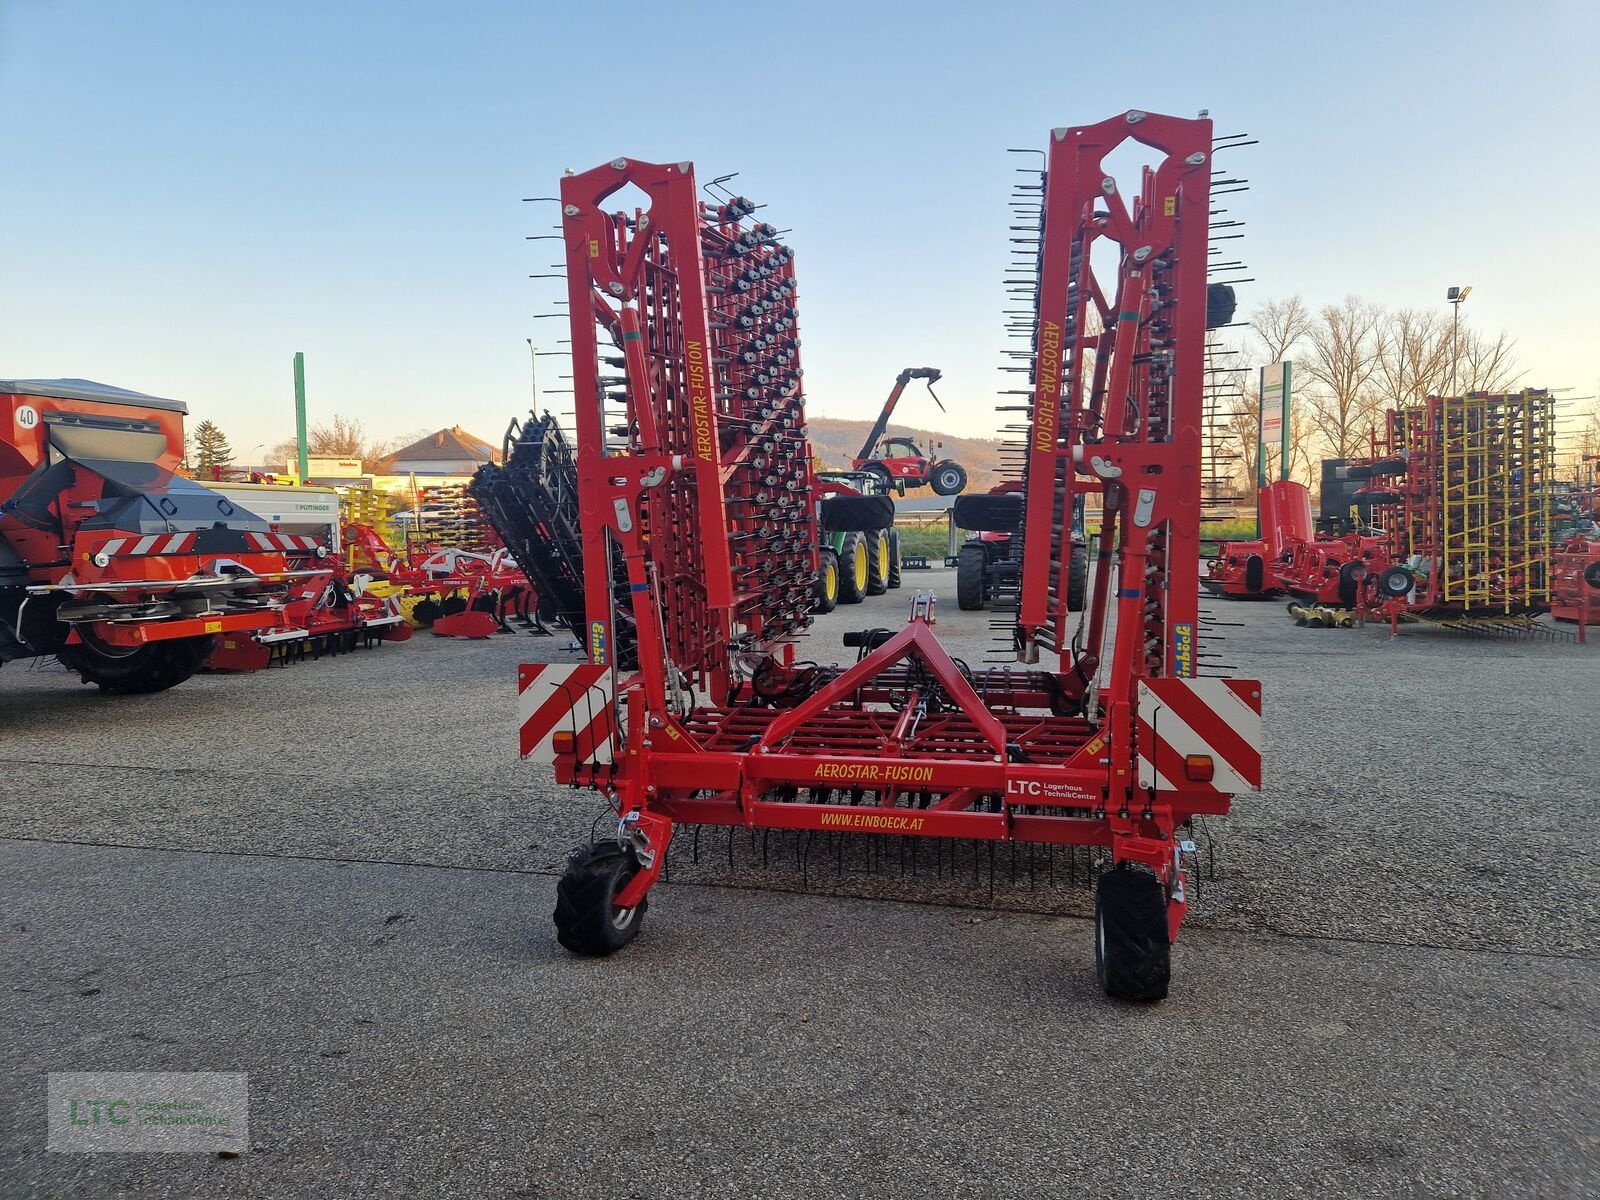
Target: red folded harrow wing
696 521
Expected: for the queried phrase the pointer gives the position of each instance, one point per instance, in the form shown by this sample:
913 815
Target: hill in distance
835 441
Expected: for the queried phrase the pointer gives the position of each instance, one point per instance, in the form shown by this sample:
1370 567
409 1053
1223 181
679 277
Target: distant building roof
447 445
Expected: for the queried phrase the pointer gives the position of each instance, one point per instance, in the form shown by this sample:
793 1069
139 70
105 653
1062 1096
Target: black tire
1132 955
1591 574
854 568
1078 578
826 596
1396 582
894 558
153 667
426 612
878 562
947 478
587 919
970 567
1351 576
453 605
1255 574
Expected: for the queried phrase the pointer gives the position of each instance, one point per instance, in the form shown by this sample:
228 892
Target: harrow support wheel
827 594
588 922
879 562
1132 951
894 558
854 569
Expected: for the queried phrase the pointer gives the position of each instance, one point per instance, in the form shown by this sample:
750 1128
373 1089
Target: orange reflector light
566 742
1196 766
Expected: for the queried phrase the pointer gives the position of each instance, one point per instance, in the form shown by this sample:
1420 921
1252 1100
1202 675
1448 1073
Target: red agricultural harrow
697 530
463 593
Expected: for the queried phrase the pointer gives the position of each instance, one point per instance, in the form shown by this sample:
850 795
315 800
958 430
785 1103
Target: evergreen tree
211 449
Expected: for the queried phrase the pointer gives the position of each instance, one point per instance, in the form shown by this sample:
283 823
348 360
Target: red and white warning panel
556 701
1200 735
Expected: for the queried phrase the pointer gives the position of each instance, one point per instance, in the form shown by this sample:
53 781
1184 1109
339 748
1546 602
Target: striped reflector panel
577 698
1220 718
183 543
155 543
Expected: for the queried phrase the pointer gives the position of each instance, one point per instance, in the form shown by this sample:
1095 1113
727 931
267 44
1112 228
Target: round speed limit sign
27 416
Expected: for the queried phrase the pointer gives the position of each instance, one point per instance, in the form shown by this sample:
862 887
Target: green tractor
860 546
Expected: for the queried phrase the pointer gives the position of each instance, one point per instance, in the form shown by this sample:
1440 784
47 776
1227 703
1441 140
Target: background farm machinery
698 531
450 590
1452 518
988 572
125 570
898 461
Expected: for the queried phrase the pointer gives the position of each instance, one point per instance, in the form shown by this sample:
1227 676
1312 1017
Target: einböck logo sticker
597 642
1183 650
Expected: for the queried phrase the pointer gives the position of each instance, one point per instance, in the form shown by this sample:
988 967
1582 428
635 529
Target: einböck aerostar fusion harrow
690 448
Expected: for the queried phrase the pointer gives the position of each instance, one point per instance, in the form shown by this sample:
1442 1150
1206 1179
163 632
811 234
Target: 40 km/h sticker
27 417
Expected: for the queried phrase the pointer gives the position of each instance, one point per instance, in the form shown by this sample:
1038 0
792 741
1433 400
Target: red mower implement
1249 570
1100 734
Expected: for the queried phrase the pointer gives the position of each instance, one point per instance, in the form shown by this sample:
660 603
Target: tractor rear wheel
894 558
948 478
1132 955
153 667
1078 578
827 593
588 921
970 567
878 562
854 569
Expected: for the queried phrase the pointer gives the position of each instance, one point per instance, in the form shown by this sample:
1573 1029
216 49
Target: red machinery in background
1247 570
900 461
696 522
328 612
110 560
465 593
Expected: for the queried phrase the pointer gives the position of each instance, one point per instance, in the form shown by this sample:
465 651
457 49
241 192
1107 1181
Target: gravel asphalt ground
337 878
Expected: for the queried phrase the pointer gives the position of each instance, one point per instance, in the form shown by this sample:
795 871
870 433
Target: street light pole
1455 295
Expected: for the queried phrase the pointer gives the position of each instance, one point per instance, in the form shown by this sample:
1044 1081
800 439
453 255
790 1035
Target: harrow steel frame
1115 743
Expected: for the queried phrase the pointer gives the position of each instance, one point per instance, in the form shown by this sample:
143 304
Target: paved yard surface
338 877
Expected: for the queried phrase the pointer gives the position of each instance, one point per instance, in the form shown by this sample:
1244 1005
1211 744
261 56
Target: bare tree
1413 357
342 438
1343 402
1243 426
1280 326
1487 365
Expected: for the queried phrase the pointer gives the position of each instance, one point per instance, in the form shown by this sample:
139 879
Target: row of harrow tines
686 374
751 297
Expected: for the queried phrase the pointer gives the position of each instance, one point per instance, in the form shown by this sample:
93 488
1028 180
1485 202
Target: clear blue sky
194 191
